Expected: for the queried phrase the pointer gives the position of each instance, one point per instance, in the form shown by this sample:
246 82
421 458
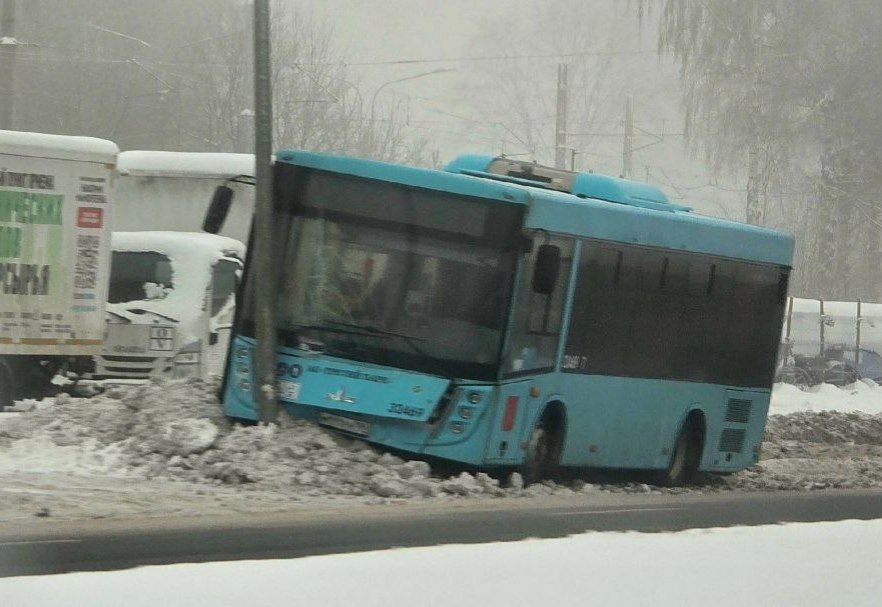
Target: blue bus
505 314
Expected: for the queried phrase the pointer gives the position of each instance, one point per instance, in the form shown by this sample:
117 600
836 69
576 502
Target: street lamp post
441 70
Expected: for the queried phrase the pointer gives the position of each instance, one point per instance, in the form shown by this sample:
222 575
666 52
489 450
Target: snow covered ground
166 449
801 564
864 396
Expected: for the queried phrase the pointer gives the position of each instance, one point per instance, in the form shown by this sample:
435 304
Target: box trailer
56 214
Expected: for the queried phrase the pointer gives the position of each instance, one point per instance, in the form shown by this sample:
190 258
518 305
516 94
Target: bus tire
686 455
542 458
8 387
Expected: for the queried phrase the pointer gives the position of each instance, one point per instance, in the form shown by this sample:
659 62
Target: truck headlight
187 358
186 365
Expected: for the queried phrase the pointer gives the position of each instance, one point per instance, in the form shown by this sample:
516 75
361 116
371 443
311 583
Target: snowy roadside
864 396
164 449
801 564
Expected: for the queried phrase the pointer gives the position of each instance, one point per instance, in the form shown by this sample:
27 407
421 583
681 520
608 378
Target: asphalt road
46 547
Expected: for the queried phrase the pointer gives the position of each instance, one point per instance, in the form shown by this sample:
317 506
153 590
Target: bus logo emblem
340 397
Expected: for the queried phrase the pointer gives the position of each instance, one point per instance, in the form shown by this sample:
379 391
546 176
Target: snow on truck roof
191 245
61 147
199 165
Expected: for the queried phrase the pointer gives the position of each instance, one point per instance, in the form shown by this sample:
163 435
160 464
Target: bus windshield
395 291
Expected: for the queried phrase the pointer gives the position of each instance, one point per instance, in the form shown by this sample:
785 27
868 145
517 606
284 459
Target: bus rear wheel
686 457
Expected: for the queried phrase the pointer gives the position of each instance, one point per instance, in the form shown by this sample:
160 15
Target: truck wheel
8 388
686 457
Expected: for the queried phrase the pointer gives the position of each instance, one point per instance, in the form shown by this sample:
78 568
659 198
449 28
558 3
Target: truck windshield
139 275
397 291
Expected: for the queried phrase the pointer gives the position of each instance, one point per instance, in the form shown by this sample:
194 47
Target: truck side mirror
218 209
546 269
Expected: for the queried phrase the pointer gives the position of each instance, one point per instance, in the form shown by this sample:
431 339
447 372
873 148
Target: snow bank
817 450
864 396
177 431
166 448
802 564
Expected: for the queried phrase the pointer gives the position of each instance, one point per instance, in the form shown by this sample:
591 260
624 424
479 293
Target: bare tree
787 91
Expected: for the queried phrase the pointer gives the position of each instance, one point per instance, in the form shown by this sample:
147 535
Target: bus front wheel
685 459
542 458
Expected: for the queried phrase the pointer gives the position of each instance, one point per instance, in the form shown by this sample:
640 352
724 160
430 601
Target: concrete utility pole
628 146
264 271
560 123
8 50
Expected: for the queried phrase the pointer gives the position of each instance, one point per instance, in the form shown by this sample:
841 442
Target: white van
170 305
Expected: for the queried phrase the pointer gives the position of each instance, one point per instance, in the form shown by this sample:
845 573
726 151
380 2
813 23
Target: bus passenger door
531 356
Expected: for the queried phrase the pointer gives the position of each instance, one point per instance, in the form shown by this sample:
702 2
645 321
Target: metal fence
831 341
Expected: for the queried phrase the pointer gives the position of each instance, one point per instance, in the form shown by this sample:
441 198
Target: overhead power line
492 58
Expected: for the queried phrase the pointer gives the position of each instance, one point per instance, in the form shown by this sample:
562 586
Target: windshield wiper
356 329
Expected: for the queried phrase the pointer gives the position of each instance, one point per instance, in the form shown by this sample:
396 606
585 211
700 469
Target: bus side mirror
547 269
218 209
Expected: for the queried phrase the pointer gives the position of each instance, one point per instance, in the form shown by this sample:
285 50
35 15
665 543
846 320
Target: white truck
170 306
171 299
172 291
56 213
171 191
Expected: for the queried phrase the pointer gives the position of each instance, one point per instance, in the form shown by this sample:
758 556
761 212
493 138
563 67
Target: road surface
46 547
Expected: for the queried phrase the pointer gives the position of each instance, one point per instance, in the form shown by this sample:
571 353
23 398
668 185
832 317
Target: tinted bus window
640 312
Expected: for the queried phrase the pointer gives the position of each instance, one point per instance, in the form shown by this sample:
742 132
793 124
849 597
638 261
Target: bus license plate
353 426
289 390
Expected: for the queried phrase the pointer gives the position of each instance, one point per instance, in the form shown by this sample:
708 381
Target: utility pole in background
264 266
8 50
628 146
560 122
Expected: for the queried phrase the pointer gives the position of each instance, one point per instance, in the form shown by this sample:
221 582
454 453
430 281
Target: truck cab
170 306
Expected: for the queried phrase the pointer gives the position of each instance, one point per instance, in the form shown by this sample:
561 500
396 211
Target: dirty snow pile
809 450
167 448
177 431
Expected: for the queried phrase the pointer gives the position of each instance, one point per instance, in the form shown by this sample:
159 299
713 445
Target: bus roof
645 219
193 165
60 147
396 173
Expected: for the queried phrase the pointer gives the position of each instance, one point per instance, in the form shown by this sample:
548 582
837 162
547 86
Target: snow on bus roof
205 165
62 147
